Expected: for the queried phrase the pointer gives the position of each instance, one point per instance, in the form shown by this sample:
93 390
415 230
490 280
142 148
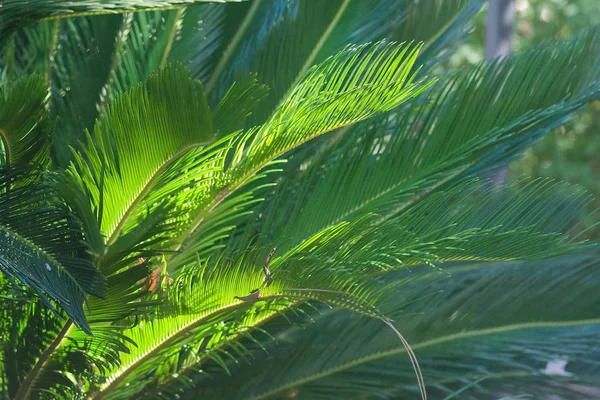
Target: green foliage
569 153
276 200
26 127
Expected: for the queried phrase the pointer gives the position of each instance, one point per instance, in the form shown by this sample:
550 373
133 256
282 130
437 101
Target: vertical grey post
498 37
498 34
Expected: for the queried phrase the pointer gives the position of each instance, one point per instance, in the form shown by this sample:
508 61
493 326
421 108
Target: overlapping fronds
78 73
476 119
25 126
42 244
349 87
16 13
483 323
505 224
30 52
325 269
141 134
198 38
340 91
27 327
280 40
211 243
443 25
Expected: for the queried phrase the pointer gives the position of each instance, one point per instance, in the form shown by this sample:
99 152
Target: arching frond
42 246
338 92
216 256
473 328
281 40
478 118
25 126
169 116
327 267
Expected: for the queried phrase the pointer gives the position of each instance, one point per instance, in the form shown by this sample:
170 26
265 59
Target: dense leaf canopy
284 199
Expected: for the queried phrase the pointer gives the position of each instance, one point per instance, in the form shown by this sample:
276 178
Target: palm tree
269 200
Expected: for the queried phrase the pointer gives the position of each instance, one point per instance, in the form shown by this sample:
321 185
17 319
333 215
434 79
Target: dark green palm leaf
42 245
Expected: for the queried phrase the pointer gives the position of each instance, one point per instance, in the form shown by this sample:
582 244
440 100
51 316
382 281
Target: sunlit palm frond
119 167
221 257
475 326
478 118
340 91
327 267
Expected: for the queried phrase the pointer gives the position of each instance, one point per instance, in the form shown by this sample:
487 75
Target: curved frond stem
413 359
123 373
425 344
171 38
25 388
239 35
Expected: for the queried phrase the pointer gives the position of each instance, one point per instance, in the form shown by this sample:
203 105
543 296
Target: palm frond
16 13
30 51
27 328
280 40
442 26
119 167
473 327
238 103
78 75
25 126
42 244
479 118
326 268
198 39
207 294
338 92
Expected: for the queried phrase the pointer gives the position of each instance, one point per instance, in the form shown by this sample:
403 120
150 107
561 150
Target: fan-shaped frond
25 126
142 133
474 327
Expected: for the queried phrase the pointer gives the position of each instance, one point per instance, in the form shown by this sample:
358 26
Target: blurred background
571 153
